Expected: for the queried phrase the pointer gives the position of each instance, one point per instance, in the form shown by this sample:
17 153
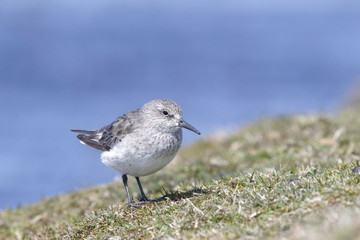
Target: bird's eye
165 113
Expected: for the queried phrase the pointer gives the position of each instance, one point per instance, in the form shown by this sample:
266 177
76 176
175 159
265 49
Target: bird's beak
184 124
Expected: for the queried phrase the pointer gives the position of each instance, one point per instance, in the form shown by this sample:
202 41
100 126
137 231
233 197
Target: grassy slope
288 177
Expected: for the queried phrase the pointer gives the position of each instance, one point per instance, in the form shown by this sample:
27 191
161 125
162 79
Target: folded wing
105 138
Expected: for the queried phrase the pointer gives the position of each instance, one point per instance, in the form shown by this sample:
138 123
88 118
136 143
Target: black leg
143 196
124 178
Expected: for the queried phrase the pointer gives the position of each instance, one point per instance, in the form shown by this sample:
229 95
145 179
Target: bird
140 142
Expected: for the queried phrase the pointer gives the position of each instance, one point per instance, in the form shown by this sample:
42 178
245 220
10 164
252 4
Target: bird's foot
135 204
144 199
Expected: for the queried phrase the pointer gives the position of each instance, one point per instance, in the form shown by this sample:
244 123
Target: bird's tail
83 131
91 138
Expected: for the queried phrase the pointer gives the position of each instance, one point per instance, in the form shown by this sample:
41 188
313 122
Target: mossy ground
289 177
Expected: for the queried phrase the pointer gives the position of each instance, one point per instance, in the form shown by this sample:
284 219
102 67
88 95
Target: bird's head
166 115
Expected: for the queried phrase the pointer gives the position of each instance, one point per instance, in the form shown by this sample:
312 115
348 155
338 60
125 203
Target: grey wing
105 138
117 130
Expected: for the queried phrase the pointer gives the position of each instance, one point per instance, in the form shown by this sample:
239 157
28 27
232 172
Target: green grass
289 177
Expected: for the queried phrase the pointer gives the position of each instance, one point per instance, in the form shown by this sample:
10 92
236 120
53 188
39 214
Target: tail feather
84 131
92 141
91 138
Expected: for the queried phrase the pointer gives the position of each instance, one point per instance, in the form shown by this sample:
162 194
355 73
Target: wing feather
117 130
105 138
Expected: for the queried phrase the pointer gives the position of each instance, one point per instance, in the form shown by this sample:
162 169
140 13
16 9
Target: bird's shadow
178 195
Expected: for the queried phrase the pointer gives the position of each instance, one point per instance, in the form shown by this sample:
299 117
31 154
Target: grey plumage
140 142
105 138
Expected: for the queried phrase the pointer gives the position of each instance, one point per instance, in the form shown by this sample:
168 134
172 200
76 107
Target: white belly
134 159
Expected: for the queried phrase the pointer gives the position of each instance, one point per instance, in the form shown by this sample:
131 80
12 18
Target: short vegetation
292 177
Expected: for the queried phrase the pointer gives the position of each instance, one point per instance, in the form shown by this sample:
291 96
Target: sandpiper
140 142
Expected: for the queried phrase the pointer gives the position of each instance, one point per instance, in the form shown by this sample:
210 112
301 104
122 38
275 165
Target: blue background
80 64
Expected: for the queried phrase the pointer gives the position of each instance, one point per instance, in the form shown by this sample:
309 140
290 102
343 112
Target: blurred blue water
76 64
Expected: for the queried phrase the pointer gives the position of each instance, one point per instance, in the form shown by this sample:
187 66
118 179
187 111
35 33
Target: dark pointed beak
184 124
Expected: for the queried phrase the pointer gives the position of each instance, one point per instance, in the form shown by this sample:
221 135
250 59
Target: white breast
136 156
